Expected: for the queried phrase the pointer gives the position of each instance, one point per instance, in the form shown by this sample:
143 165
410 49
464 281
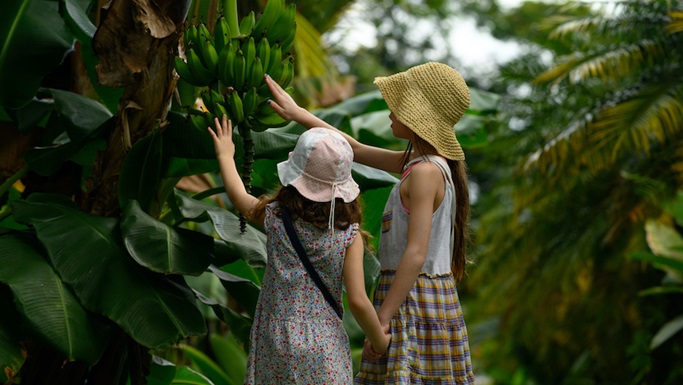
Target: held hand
282 102
222 138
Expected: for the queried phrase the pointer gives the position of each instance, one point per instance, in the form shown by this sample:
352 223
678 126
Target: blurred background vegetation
573 147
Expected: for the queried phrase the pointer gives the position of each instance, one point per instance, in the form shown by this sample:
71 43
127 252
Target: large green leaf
230 356
35 40
155 310
243 290
250 246
162 248
482 102
239 325
207 366
161 372
141 172
187 376
84 120
49 307
667 331
369 178
82 116
11 355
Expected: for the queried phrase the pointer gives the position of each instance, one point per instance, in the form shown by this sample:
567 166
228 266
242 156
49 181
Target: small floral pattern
297 338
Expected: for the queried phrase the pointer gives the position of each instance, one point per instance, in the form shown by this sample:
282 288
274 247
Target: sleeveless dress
429 342
296 337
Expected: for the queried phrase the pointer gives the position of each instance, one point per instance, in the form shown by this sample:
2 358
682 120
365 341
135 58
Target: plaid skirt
429 339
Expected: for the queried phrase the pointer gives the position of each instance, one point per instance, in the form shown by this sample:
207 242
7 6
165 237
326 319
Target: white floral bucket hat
320 168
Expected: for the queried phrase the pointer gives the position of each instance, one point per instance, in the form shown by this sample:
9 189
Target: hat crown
320 166
324 155
443 87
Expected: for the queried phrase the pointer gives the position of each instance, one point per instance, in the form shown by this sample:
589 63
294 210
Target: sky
476 49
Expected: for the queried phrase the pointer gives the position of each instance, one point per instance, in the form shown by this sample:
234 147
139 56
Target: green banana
239 70
250 101
283 25
287 72
236 107
247 24
190 36
220 110
221 34
184 72
249 50
289 40
197 121
270 14
275 59
197 69
210 57
263 51
256 76
267 117
226 63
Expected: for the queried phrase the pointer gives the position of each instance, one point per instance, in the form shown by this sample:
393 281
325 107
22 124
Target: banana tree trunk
135 42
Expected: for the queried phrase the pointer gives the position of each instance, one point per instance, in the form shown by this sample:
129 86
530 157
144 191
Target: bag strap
291 232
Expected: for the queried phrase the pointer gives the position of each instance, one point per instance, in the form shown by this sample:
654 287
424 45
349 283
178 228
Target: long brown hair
316 213
462 204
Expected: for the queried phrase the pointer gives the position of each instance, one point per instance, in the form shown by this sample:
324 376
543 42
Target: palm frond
676 23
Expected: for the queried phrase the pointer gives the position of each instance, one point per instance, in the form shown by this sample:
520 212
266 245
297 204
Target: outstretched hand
222 138
282 102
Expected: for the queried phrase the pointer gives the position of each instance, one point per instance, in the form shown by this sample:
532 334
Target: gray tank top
394 235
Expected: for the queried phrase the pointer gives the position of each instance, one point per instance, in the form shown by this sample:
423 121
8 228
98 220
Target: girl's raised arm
225 153
359 303
287 108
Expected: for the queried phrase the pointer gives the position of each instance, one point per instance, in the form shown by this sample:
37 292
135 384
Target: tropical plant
589 151
105 265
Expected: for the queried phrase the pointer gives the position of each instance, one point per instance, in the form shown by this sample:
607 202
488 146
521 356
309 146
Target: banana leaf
250 246
84 120
187 376
239 324
162 248
11 355
243 290
161 372
141 173
230 356
155 310
51 310
207 366
35 40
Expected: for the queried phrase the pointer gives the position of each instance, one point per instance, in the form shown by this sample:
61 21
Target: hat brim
314 189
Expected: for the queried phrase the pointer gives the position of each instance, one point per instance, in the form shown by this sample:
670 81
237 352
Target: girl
424 227
297 338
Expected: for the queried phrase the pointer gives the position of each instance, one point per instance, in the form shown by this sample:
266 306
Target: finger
218 127
275 107
227 123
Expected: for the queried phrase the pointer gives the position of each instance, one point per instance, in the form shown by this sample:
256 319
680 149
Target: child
424 227
296 337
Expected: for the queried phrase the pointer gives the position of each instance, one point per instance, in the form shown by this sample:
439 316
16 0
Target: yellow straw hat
429 99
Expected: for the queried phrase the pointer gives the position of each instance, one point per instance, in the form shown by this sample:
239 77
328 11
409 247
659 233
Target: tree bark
135 42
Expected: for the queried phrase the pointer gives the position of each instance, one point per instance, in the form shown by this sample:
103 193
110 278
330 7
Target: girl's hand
222 138
282 102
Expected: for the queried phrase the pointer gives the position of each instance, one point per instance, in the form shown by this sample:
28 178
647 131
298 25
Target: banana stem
230 11
247 166
10 181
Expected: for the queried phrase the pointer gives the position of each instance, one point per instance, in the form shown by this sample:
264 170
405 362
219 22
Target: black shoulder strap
287 220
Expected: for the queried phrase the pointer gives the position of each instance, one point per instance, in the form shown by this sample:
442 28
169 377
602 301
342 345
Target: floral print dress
297 338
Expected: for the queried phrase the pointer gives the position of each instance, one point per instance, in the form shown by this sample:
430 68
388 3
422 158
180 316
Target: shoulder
425 176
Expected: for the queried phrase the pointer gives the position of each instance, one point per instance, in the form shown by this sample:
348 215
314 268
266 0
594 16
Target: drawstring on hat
330 222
